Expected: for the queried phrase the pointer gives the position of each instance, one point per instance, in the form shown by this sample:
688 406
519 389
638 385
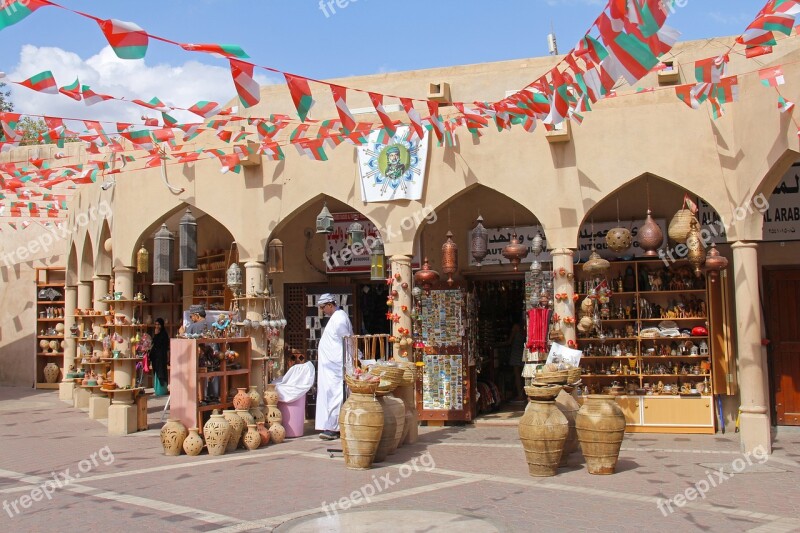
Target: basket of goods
552 374
385 387
108 385
543 393
573 375
362 382
409 372
389 371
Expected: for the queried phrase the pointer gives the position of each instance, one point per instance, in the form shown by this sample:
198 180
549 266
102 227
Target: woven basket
545 393
409 373
359 386
560 377
573 375
390 373
681 223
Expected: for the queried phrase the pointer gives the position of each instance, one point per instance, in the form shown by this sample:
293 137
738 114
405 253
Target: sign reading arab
393 168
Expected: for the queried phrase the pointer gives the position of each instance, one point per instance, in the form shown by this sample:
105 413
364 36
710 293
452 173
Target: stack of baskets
552 375
409 372
392 376
360 386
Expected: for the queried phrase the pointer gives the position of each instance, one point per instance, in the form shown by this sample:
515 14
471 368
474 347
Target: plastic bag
297 381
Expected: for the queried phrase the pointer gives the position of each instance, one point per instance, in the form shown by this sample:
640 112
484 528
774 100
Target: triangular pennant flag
301 94
73 90
44 82
377 103
246 86
14 11
772 76
219 50
340 100
413 116
205 109
128 40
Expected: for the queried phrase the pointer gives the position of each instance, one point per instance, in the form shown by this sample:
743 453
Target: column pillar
122 412
255 279
401 264
67 387
81 395
563 283
754 423
98 401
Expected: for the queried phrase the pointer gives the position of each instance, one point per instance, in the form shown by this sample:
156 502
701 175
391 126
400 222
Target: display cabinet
49 327
193 362
208 282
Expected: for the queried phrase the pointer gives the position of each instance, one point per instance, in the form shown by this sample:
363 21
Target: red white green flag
312 148
377 102
784 105
205 109
301 94
154 103
340 99
634 59
128 40
246 86
711 69
727 90
693 94
435 120
414 117
13 11
772 76
72 90
90 97
44 82
219 50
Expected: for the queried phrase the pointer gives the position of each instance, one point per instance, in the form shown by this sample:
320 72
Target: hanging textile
538 323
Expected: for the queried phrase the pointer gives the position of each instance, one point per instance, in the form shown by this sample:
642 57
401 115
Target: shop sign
782 216
341 258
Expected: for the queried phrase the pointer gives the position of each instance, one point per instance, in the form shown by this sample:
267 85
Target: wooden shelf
48 354
50 302
671 320
685 291
50 337
675 375
49 319
121 359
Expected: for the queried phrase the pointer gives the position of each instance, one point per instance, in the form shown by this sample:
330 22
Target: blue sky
364 37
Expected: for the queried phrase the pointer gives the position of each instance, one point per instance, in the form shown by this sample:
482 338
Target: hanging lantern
695 245
416 292
514 251
187 231
537 244
536 269
650 236
480 242
324 220
162 256
234 279
377 261
449 258
275 257
142 260
715 262
355 234
596 265
619 239
425 277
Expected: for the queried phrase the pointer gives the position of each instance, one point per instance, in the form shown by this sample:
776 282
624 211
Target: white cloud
730 19
175 85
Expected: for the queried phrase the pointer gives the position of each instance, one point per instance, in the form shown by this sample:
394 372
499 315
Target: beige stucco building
627 144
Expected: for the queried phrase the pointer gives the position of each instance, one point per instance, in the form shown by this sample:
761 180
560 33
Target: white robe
329 371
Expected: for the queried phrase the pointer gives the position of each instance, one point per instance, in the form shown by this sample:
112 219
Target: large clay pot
193 443
264 432
601 427
252 440
241 400
277 433
172 436
274 415
394 419
270 395
51 371
410 427
543 430
237 428
361 425
217 431
569 408
248 419
255 397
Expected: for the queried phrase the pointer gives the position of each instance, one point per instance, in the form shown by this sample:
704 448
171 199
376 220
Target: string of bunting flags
626 41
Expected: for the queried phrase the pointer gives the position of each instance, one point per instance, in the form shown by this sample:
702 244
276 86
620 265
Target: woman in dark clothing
159 358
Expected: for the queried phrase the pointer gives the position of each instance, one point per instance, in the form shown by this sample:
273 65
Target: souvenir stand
444 350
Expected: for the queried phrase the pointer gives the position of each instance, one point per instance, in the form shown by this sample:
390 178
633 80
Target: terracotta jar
217 432
193 443
264 432
51 371
237 429
569 407
248 419
277 433
270 395
252 439
173 433
601 427
255 397
361 425
257 414
241 400
543 430
274 415
394 418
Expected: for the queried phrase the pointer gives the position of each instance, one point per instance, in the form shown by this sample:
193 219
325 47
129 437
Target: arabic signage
341 258
500 237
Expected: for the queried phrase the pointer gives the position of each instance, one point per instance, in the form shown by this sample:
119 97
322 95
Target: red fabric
537 329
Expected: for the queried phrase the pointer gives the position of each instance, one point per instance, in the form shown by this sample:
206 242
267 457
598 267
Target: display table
187 380
667 413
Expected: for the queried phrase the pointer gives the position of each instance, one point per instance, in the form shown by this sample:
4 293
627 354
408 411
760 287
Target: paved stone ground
453 479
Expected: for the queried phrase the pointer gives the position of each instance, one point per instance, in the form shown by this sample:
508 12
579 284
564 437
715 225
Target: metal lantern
425 277
536 269
142 260
650 236
596 264
514 251
480 241
377 262
163 244
275 257
695 245
324 220
619 239
234 279
187 231
355 234
449 258
715 262
537 244
416 292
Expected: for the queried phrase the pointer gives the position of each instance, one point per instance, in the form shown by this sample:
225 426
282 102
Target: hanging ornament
596 265
187 233
142 260
480 242
449 258
536 269
695 245
715 262
681 223
425 277
619 239
537 244
514 251
162 256
650 235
